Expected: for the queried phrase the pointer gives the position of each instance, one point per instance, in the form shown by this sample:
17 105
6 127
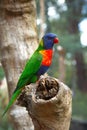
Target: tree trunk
62 67
49 105
81 72
74 14
18 40
42 17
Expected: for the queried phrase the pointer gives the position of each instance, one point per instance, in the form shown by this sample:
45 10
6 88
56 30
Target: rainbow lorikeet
36 66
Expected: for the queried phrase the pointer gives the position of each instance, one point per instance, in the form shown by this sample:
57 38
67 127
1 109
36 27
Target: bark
49 105
42 17
62 66
81 72
18 40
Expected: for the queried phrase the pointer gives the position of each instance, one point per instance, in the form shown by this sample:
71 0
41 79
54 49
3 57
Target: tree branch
49 104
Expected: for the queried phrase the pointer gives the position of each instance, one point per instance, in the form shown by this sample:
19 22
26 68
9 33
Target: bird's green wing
31 68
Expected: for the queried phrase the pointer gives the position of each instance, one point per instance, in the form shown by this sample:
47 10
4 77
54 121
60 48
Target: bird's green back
30 69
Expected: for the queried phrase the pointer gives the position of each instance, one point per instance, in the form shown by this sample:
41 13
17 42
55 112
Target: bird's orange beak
56 40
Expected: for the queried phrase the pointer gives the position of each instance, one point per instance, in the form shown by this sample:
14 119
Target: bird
36 66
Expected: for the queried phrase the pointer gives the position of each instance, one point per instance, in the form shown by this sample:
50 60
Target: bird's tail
13 98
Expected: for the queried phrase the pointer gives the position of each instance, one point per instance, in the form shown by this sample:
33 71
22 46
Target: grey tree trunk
18 40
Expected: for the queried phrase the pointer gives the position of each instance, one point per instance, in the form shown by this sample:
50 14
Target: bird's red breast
47 57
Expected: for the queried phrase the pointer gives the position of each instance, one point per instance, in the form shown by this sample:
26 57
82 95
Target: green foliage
79 105
71 43
5 125
2 74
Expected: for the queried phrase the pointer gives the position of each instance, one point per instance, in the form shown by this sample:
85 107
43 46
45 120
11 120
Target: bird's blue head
49 40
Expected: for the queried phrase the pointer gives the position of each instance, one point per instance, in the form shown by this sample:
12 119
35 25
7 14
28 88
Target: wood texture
49 105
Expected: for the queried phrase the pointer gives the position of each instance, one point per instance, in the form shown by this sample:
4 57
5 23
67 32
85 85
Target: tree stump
49 104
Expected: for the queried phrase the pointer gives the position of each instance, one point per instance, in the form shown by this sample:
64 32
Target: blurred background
68 19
